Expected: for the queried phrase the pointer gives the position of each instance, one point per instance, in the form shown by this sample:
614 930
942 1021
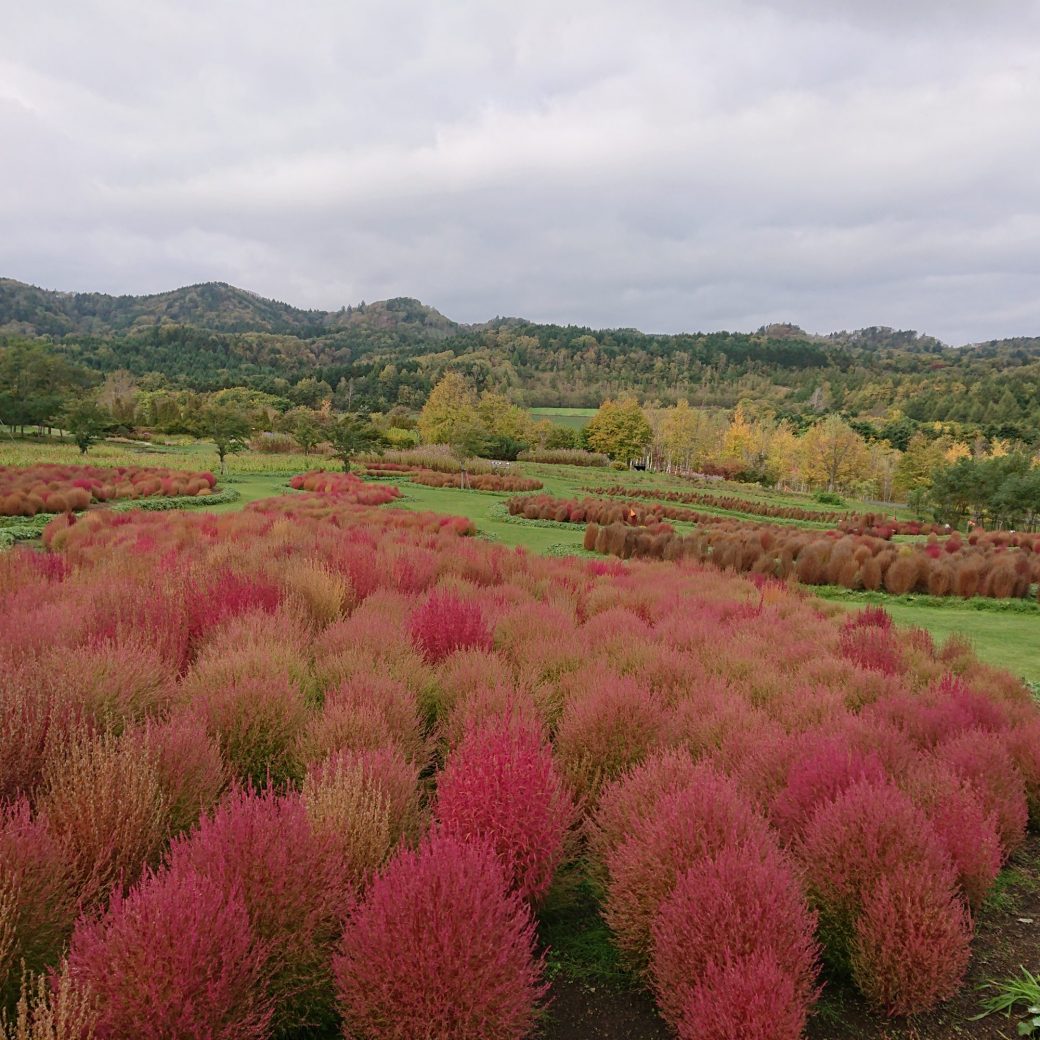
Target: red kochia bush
175 958
981 759
439 948
445 623
869 833
500 785
37 907
733 952
686 828
263 847
911 943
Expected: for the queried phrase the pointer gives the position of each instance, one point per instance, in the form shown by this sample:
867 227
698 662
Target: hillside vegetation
377 355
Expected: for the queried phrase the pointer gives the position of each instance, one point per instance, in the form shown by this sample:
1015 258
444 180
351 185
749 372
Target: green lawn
577 418
1001 635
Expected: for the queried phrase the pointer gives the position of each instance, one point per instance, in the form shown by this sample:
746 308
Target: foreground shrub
174 958
257 722
869 834
733 952
365 802
501 785
967 831
912 941
51 1011
103 796
686 829
439 948
294 889
981 759
37 905
445 623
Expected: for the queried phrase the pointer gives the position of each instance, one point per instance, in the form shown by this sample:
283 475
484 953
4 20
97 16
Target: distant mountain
213 335
214 306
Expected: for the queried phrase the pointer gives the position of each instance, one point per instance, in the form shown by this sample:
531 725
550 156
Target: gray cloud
676 166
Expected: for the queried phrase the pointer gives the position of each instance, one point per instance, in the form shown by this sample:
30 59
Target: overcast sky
669 166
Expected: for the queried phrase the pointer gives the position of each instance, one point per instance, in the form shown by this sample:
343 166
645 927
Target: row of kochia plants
317 766
999 564
53 488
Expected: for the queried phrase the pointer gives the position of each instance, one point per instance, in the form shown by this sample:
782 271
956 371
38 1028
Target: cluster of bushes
831 558
879 526
565 457
593 510
476 481
347 487
52 488
324 773
438 457
730 502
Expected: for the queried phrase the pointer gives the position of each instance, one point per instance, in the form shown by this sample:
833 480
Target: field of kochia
318 767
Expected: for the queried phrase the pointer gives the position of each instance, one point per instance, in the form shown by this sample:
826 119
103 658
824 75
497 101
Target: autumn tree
619 429
450 414
835 455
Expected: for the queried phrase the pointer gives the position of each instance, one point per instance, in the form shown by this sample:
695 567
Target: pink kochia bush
37 905
377 675
445 623
177 957
500 785
886 889
262 847
439 947
732 948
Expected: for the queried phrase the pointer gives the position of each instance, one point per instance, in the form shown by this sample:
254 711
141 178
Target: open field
578 418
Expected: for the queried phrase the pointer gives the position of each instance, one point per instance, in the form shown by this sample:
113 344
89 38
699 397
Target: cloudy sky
665 165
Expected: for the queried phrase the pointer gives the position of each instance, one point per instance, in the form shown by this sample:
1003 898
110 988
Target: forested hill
375 355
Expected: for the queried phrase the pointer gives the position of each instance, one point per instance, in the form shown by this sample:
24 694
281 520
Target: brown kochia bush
814 558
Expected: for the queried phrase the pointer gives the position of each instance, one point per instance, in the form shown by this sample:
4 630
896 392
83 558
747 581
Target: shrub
294 888
500 785
189 766
632 798
981 759
735 938
365 802
819 772
869 833
37 905
967 831
445 623
912 942
686 828
604 730
103 796
439 948
258 723
175 957
51 1011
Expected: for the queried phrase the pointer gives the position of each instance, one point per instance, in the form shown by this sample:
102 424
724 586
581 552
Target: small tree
619 429
86 422
351 436
227 427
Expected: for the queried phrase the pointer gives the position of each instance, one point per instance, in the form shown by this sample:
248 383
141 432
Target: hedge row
731 502
831 558
52 488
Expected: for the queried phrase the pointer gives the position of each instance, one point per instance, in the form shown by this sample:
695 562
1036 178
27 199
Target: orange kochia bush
51 488
710 732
